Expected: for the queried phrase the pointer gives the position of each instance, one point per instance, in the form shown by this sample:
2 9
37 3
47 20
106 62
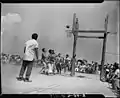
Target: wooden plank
91 31
99 37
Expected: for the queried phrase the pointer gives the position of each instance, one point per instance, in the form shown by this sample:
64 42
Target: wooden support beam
102 72
99 37
87 31
91 31
74 44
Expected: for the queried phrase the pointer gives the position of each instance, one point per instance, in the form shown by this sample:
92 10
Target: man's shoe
27 80
20 78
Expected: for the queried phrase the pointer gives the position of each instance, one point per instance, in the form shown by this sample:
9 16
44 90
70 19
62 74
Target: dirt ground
60 84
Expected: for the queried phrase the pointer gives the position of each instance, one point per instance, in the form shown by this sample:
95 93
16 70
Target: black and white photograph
60 48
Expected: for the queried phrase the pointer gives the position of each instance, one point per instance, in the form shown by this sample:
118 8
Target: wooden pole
102 72
75 27
73 56
74 45
74 21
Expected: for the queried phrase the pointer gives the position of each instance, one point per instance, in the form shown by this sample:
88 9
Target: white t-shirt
117 72
68 60
29 51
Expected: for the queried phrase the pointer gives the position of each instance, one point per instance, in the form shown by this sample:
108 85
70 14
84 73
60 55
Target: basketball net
69 34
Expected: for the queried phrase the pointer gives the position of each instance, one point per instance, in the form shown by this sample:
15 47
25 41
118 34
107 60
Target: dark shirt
43 56
51 57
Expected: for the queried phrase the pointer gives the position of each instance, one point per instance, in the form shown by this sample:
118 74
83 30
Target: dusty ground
42 84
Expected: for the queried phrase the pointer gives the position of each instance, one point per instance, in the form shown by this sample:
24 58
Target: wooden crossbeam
91 31
88 31
99 37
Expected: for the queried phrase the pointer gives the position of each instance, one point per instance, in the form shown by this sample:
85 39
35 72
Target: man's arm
24 49
36 53
114 75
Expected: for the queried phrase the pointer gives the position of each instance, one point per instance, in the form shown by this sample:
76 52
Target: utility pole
102 72
75 34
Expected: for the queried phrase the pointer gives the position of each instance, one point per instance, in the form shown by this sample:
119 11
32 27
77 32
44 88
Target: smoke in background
9 19
2 19
8 22
49 21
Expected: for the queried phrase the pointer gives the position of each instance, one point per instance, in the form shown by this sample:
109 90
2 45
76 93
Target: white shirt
117 72
68 59
50 68
29 51
107 70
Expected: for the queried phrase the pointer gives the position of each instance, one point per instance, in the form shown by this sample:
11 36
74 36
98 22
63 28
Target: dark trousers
26 65
58 67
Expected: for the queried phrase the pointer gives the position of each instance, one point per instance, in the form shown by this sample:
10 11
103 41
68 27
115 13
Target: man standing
30 51
67 63
44 60
58 63
51 64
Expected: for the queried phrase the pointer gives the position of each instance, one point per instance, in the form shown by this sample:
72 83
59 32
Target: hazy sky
49 21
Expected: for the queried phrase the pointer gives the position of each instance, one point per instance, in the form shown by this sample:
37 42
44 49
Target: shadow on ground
81 76
66 75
